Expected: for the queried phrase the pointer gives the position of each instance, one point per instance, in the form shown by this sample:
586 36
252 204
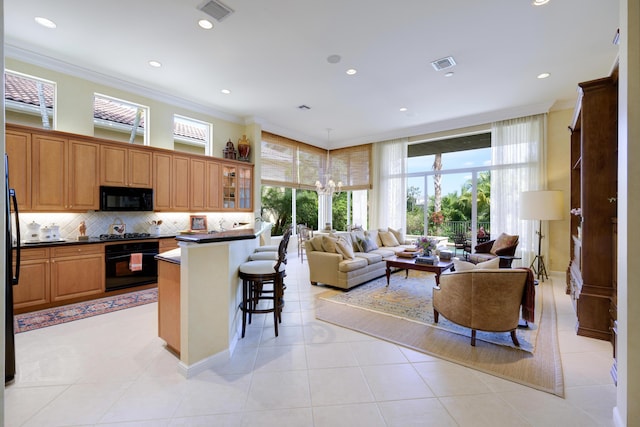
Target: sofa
504 246
348 259
485 299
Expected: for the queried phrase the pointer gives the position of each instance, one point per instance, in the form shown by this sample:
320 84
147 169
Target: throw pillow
492 264
503 241
356 237
459 265
329 244
399 235
388 239
344 248
368 244
316 243
373 234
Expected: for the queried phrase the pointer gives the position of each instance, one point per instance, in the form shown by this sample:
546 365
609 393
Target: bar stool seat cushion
260 267
263 256
267 248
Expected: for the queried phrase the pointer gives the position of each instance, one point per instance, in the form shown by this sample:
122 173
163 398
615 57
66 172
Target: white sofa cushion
371 257
352 264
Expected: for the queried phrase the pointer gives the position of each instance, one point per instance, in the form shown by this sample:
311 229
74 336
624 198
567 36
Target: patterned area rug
402 314
67 313
410 299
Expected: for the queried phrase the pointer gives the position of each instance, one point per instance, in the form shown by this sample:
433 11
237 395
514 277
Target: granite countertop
172 256
91 240
218 236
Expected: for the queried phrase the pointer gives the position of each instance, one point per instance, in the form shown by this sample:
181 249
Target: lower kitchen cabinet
33 287
169 304
77 271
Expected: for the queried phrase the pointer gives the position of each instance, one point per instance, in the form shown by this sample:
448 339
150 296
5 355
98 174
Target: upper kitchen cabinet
64 175
170 182
84 177
49 177
126 167
236 187
18 148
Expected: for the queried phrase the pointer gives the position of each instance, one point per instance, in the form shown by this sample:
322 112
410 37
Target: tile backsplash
136 222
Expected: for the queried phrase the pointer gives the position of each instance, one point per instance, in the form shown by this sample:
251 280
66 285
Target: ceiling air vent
444 63
216 10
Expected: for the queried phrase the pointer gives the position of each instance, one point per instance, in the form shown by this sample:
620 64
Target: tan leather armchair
485 300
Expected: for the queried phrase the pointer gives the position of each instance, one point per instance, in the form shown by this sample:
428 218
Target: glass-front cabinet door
229 187
244 188
237 185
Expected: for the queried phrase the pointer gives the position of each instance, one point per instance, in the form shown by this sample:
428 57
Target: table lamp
542 205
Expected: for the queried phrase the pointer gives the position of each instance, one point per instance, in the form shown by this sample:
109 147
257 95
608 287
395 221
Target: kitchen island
209 294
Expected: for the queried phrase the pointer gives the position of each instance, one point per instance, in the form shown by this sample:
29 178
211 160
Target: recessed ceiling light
205 24
351 71
539 2
226 91
45 22
543 75
155 64
449 74
333 59
403 109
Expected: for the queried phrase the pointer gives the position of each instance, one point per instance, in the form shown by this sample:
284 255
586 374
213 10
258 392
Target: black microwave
126 199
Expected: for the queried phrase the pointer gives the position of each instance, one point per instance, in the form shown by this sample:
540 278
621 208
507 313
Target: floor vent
216 10
444 63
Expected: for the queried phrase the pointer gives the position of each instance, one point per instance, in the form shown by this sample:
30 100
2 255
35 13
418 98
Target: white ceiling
272 55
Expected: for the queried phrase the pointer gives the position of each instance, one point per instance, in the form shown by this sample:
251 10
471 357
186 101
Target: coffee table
410 264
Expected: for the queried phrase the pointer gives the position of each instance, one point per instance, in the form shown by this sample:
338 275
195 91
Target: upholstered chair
504 246
484 300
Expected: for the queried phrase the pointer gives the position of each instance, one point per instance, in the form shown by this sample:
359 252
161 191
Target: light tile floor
113 370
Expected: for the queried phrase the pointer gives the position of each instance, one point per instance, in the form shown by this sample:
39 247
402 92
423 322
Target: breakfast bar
209 295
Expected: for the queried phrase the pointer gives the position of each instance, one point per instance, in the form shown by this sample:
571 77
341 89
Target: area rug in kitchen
402 314
67 313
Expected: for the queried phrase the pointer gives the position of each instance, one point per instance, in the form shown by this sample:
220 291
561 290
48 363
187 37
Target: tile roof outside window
24 90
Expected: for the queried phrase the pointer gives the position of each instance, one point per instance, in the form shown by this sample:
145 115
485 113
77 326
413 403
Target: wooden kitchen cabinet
169 304
126 167
197 189
77 271
180 183
167 244
48 173
237 182
213 201
52 174
33 286
18 148
162 172
84 176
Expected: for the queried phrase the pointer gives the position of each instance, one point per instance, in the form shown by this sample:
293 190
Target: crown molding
53 64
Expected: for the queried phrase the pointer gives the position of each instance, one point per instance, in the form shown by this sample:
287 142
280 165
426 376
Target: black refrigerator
12 229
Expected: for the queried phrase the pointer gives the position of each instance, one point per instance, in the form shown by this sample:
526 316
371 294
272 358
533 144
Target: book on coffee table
430 260
408 254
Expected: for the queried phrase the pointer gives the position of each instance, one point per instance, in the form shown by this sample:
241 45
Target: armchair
485 300
504 246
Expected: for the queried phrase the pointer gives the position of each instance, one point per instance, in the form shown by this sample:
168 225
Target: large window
29 100
449 187
292 165
120 120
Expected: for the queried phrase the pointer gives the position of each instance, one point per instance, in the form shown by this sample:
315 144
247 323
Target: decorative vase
244 148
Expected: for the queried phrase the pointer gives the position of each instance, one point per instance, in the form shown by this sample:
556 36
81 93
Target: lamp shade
541 205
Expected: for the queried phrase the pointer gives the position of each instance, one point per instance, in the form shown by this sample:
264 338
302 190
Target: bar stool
255 275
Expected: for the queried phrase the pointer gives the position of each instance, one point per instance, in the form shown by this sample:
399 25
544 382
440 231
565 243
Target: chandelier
330 186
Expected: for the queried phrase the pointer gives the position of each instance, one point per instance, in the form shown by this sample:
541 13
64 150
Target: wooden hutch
591 278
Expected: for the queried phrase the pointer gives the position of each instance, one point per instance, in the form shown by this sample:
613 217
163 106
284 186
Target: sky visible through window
456 160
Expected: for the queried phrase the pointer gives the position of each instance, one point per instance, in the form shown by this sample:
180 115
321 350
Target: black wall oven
130 264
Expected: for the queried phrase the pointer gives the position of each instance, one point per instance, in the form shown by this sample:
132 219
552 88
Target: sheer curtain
518 151
389 198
